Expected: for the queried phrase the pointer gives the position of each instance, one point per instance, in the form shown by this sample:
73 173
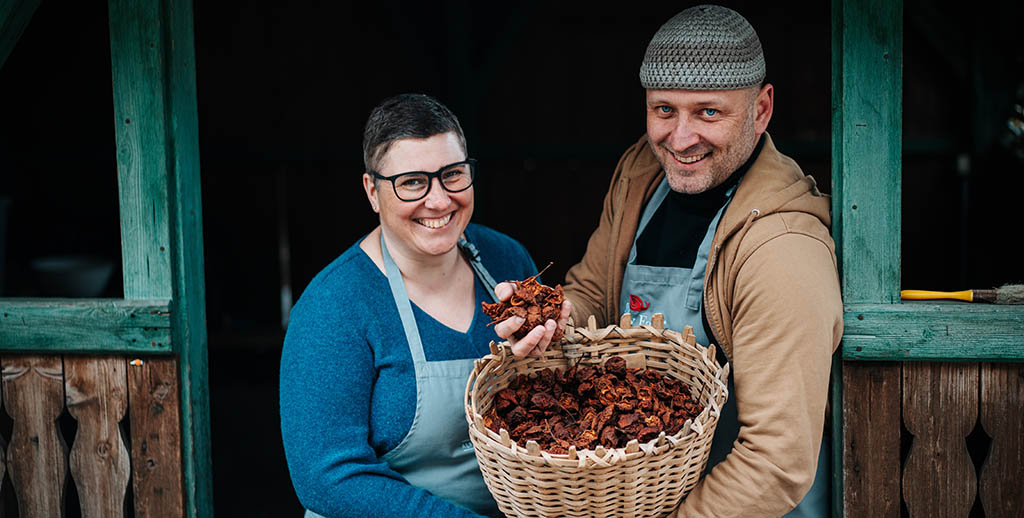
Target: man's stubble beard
720 169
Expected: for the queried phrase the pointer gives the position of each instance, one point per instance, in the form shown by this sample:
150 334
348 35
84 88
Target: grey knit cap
707 47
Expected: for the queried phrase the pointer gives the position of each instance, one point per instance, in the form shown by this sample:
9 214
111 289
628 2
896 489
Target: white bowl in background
77 276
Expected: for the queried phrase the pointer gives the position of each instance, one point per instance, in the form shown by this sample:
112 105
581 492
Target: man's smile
688 159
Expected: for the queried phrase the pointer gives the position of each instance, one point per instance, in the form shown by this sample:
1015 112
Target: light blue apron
436 454
678 294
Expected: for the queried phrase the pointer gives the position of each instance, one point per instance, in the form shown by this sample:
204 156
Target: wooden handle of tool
966 295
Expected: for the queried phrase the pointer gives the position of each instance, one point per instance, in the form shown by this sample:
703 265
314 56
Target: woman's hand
538 339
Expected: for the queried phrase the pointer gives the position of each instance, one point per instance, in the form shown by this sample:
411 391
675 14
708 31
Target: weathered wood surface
187 236
97 393
156 126
140 129
85 325
939 331
867 88
33 393
871 438
3 456
1001 483
156 438
940 408
14 18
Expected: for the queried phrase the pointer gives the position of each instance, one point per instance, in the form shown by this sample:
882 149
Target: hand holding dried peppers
530 315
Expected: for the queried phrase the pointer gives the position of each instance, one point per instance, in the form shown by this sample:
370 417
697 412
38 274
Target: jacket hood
774 183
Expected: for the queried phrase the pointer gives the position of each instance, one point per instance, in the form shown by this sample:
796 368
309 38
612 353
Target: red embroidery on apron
637 303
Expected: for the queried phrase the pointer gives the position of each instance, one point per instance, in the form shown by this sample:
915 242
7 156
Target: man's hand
538 339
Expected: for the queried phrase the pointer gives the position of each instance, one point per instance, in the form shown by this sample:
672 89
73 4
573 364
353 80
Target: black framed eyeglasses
415 185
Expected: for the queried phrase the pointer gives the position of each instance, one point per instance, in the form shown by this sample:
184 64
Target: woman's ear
370 187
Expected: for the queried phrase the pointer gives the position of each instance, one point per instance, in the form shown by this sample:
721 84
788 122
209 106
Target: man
707 223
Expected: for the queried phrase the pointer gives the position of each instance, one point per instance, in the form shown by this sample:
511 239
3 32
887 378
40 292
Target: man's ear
370 187
763 105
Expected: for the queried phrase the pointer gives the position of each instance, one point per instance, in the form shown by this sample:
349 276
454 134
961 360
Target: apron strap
473 255
401 296
412 333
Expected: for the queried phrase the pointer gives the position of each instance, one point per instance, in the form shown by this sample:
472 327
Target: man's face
701 137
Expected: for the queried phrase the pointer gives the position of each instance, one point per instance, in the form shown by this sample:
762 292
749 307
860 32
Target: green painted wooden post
189 318
143 147
153 58
14 17
866 147
867 77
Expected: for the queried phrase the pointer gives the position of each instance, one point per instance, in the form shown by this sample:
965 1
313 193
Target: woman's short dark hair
405 116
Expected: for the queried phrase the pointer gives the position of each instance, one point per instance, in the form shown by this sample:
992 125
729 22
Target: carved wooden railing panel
156 447
936 409
1002 416
37 456
940 408
101 394
96 391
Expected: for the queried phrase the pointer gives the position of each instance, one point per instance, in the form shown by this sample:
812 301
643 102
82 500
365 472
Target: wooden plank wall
102 394
1002 416
936 407
940 408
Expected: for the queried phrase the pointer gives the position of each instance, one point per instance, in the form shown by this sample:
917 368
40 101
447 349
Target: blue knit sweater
348 388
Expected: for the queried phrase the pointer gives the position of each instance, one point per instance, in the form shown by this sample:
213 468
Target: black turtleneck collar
675 231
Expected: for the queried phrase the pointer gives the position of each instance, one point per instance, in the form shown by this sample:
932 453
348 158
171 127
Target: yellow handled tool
1006 294
966 295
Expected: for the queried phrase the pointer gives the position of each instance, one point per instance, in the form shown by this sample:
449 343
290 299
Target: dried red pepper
534 302
586 406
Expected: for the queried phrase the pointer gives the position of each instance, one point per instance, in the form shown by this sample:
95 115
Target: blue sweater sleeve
326 382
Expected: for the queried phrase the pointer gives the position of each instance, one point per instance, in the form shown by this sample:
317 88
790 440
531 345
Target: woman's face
432 225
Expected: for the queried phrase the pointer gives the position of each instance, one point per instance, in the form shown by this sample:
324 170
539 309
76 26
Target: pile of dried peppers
586 406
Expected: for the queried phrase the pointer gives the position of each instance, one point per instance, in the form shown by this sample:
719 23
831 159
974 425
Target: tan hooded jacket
772 299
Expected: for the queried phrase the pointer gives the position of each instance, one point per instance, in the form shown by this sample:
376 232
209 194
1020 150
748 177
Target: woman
382 341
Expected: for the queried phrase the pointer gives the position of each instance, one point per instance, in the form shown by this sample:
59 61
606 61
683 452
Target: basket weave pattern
639 480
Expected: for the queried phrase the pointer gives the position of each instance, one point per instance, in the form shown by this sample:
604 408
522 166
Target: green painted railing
157 151
934 332
85 326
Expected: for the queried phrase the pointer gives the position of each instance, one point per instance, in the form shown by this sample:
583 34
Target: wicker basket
636 481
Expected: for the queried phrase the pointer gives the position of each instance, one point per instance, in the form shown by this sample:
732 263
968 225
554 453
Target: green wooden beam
143 147
156 124
99 326
189 328
867 116
934 331
867 90
14 17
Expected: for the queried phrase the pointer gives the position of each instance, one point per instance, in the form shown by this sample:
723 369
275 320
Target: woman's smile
435 222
